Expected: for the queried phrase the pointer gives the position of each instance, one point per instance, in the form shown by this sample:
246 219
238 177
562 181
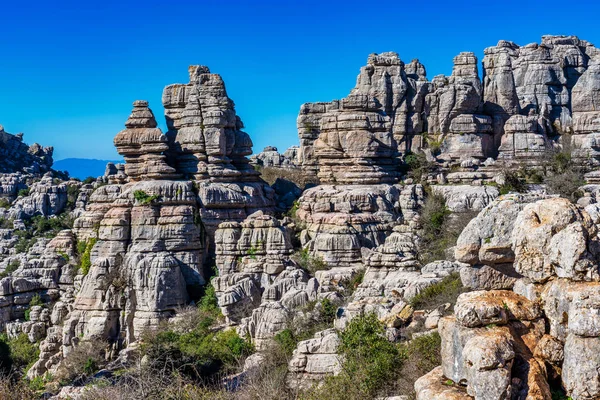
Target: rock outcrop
507 343
16 156
529 99
271 158
143 145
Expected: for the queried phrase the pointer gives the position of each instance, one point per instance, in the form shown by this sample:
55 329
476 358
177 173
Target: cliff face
16 156
356 244
528 98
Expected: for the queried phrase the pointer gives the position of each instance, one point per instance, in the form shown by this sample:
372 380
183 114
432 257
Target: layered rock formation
529 98
16 156
517 343
143 145
270 157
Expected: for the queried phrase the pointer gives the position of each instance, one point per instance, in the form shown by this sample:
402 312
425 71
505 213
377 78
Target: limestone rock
314 359
554 236
16 156
143 145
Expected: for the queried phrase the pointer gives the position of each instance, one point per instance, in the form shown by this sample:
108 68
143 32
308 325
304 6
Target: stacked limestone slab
207 144
529 99
143 145
259 284
520 335
206 140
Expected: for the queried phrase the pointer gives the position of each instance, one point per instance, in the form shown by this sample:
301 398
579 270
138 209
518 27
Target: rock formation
529 99
16 156
533 323
270 157
143 145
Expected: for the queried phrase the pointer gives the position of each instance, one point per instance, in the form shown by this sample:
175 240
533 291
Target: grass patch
309 262
370 363
144 198
445 291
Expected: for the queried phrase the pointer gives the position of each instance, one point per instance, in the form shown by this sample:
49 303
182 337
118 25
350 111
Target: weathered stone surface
205 135
462 198
143 145
46 197
488 359
314 359
487 238
482 308
271 158
433 386
580 374
553 236
16 156
255 267
340 220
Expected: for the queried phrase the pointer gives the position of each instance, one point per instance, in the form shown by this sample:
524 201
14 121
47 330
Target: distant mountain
82 167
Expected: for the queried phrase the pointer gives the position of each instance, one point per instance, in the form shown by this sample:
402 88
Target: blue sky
70 70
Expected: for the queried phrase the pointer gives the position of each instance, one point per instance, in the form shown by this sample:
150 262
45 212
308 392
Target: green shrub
23 193
22 352
6 223
72 195
370 363
417 166
209 304
88 180
328 311
24 242
287 341
442 292
4 203
144 198
36 300
308 262
421 355
513 182
85 262
10 268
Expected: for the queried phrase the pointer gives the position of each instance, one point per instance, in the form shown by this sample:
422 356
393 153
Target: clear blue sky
70 70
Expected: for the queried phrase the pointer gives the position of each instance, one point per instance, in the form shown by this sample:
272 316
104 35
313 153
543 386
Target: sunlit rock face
521 106
143 145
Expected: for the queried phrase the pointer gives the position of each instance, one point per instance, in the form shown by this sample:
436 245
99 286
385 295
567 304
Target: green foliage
23 192
308 262
89 180
442 292
24 242
328 311
287 340
417 166
370 363
558 394
4 203
39 225
514 181
36 300
6 223
198 353
72 195
90 366
440 227
85 261
144 198
208 304
426 350
10 268
292 211
21 353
